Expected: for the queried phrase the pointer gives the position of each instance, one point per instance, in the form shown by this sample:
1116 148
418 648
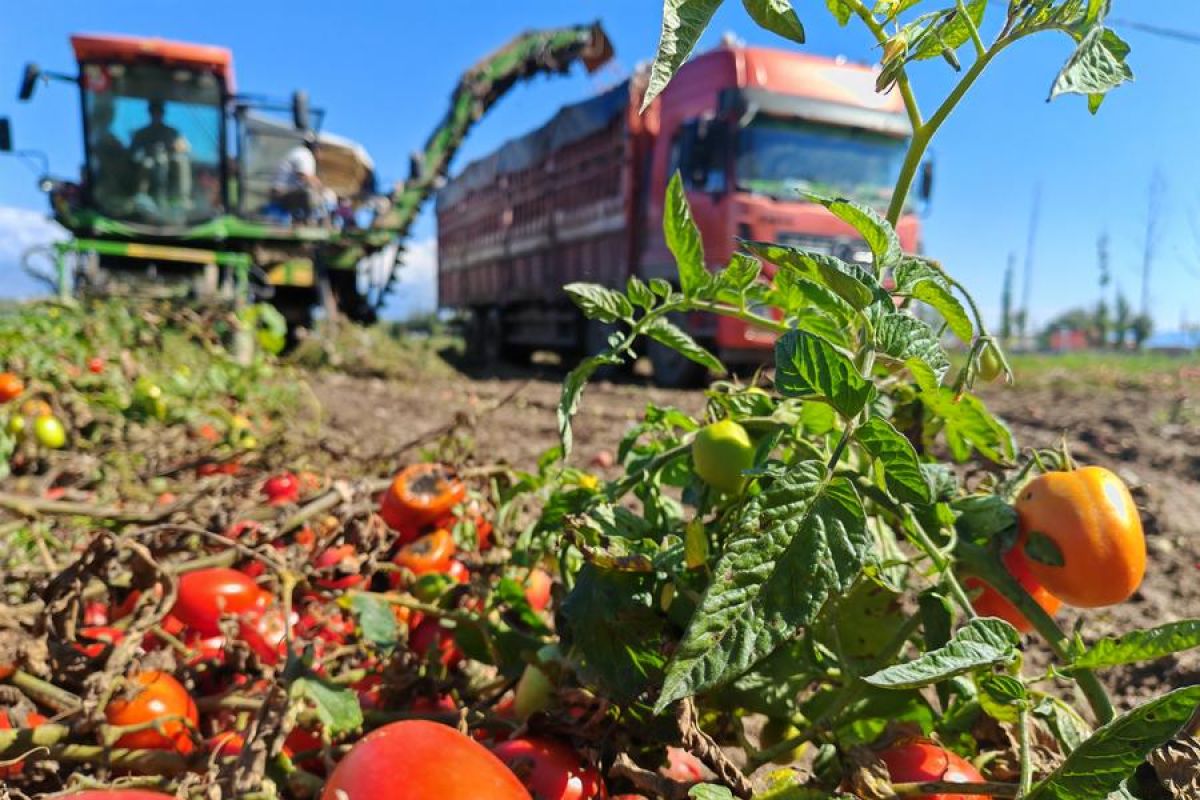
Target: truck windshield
778 157
153 143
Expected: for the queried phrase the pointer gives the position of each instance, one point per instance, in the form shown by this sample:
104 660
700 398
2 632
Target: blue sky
383 72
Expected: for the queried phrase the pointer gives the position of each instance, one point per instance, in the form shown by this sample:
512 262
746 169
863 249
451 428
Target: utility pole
1027 288
1006 314
1102 320
1153 219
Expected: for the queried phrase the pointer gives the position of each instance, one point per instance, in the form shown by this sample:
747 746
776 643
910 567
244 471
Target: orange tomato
10 387
419 495
990 603
32 720
1088 516
430 553
160 696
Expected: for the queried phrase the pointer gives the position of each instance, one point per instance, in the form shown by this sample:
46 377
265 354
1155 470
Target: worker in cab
297 189
161 157
112 180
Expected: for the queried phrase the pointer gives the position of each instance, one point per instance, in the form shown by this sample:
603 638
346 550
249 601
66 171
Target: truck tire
672 370
483 338
595 340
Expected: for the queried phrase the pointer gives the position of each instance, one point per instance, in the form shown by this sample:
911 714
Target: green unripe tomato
990 367
16 425
49 432
533 693
720 453
776 731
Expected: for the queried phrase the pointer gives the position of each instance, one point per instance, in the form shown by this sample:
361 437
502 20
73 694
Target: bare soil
1147 430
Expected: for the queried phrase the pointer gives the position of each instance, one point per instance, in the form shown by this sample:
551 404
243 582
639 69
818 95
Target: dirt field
1145 428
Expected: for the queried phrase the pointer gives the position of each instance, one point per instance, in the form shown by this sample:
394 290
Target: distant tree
1141 327
1123 319
1006 312
1103 321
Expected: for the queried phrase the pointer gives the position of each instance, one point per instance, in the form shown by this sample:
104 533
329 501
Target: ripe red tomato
159 696
537 588
95 365
281 489
420 494
990 603
435 761
97 639
429 635
550 769
458 571
916 760
8 721
10 387
682 766
328 563
208 594
430 553
95 613
266 633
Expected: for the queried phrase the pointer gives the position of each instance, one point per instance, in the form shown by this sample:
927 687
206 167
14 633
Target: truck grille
855 251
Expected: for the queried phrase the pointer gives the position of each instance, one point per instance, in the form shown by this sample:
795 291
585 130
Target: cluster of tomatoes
32 415
1080 542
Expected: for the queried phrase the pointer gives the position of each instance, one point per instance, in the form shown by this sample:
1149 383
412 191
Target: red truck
581 198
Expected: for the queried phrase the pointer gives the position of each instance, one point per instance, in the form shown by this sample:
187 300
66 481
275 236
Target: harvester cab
190 189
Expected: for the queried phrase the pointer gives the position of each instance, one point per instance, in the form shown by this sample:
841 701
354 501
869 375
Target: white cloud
415 292
20 230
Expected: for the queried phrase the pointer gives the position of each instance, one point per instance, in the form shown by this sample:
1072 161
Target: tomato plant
206 595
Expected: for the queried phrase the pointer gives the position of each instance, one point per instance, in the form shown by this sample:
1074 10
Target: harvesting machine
178 192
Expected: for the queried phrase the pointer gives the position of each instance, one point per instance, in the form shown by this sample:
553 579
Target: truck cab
750 129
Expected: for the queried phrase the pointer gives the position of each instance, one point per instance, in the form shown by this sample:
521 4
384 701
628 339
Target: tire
595 340
483 343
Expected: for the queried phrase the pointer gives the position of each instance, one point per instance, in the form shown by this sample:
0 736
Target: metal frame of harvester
236 253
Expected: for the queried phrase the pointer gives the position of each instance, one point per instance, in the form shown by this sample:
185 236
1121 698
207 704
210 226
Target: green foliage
1135 646
337 707
980 644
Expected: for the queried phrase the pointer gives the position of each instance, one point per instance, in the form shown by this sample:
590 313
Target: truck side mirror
301 118
5 135
925 188
29 81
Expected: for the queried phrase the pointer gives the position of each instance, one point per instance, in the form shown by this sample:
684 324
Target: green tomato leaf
983 642
807 366
777 16
614 631
1096 67
949 32
739 275
788 550
1146 645
918 279
841 11
679 340
639 293
1064 723
598 302
709 791
376 620
878 233
983 517
336 706
568 402
1001 697
684 22
901 467
850 282
1111 754
900 338
966 423
683 238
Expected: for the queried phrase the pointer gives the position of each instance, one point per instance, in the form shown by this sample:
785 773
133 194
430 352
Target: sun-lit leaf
901 337
599 302
777 16
639 293
901 467
1001 696
1063 722
376 619
683 23
683 238
679 340
949 31
1111 754
982 642
709 791
1144 645
841 10
879 235
741 273
850 282
807 366
336 706
966 422
918 279
568 402
789 549
1096 67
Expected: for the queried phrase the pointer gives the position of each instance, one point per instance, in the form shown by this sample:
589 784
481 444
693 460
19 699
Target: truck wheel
595 340
672 370
483 337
